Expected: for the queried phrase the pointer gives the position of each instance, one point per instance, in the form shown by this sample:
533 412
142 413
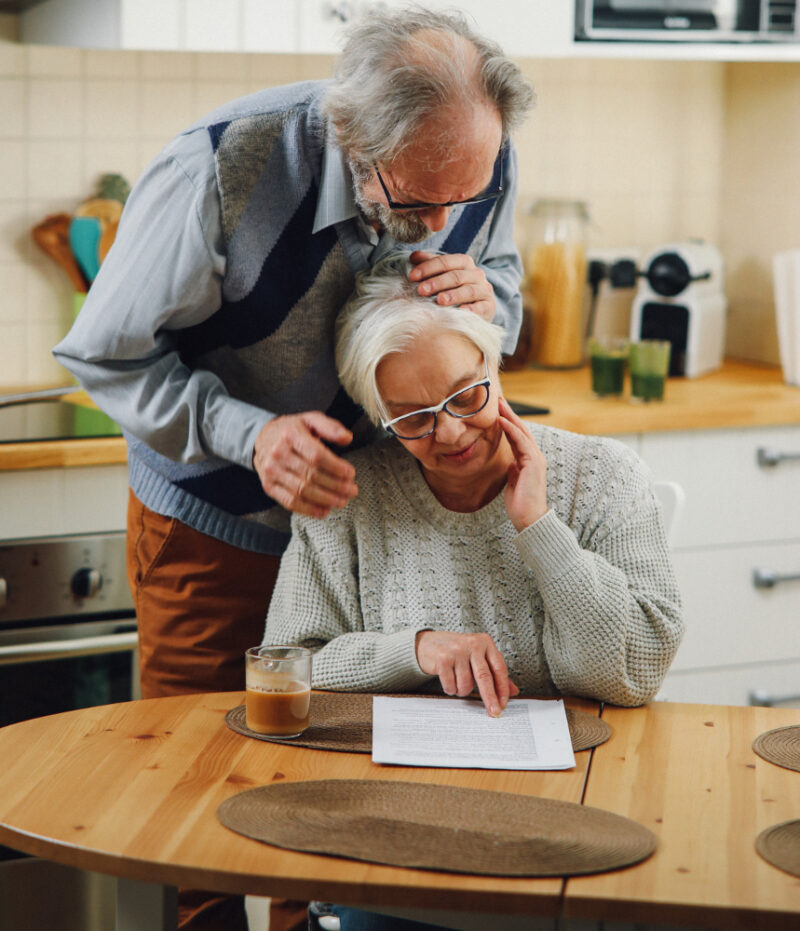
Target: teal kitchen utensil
84 239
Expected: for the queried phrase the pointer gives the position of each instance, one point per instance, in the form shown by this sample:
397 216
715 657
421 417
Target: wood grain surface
132 790
688 772
740 394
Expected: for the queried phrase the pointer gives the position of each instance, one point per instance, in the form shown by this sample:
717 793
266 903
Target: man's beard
401 226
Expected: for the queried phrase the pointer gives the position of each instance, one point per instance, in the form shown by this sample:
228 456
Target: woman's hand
455 280
526 486
463 661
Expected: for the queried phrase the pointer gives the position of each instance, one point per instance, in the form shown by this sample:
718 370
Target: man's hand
298 470
455 280
463 661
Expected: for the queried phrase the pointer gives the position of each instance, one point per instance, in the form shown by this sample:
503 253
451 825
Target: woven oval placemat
780 846
438 827
343 721
780 746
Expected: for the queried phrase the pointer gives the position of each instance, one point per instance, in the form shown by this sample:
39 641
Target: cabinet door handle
341 10
765 700
768 578
767 457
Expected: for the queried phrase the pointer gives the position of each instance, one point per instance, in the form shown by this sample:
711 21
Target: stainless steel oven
67 640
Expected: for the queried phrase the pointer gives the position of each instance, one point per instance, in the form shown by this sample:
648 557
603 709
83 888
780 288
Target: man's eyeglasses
494 190
464 403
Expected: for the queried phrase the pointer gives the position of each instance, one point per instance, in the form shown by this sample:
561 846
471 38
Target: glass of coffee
278 690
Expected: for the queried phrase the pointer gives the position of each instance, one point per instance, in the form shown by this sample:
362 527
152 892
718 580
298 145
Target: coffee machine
680 298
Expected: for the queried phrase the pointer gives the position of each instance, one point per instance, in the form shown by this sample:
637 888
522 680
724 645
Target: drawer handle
767 458
765 700
768 578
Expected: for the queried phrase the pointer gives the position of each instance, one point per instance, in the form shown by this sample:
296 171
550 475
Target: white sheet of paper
531 733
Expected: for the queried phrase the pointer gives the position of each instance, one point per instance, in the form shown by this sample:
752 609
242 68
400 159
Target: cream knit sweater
582 602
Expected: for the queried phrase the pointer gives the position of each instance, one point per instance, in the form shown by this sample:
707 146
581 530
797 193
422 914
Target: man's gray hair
384 315
399 67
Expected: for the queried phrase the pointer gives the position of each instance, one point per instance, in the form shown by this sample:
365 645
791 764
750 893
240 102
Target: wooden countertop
54 454
740 394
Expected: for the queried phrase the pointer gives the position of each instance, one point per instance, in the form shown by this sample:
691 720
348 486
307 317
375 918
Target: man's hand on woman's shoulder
298 470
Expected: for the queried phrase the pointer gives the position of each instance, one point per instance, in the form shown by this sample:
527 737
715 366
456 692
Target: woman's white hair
400 67
385 315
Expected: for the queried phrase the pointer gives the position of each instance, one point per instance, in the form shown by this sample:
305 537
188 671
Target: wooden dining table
132 790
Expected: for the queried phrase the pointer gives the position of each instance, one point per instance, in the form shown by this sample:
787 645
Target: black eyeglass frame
437 409
421 205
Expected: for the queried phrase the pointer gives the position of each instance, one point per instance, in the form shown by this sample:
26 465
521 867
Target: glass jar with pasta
555 282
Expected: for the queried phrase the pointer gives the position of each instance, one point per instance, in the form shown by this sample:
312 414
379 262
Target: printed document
530 734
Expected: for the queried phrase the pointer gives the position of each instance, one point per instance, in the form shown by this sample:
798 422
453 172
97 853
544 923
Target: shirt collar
336 201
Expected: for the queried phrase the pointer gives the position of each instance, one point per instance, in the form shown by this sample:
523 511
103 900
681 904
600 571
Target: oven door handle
63 649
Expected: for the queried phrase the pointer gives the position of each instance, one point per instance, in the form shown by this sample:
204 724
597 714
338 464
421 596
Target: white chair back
672 498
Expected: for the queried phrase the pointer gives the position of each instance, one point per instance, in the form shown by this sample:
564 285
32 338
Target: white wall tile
54 61
315 67
15 235
208 95
49 292
13 305
42 368
167 65
13 355
13 177
55 108
13 95
221 66
166 107
659 150
112 110
111 63
110 156
55 168
272 70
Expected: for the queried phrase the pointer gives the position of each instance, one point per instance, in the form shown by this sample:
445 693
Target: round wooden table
132 790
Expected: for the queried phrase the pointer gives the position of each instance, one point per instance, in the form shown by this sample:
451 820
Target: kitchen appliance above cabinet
687 20
524 29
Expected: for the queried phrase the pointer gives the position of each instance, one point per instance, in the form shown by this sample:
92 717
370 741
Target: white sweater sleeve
613 618
316 604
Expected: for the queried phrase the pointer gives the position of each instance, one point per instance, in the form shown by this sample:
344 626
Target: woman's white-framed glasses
464 403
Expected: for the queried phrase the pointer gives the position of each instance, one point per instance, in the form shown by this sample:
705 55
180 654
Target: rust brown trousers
200 603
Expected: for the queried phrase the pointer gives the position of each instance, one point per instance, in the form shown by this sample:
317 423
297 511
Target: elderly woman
480 550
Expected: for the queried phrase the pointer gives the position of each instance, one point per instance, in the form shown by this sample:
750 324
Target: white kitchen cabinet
524 28
59 501
776 684
733 498
165 25
739 517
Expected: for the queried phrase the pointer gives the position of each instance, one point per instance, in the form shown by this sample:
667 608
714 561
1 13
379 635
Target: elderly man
208 334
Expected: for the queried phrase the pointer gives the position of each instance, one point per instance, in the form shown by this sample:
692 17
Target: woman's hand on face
464 661
526 486
455 281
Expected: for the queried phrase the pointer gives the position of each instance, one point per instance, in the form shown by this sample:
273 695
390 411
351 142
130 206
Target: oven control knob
86 583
